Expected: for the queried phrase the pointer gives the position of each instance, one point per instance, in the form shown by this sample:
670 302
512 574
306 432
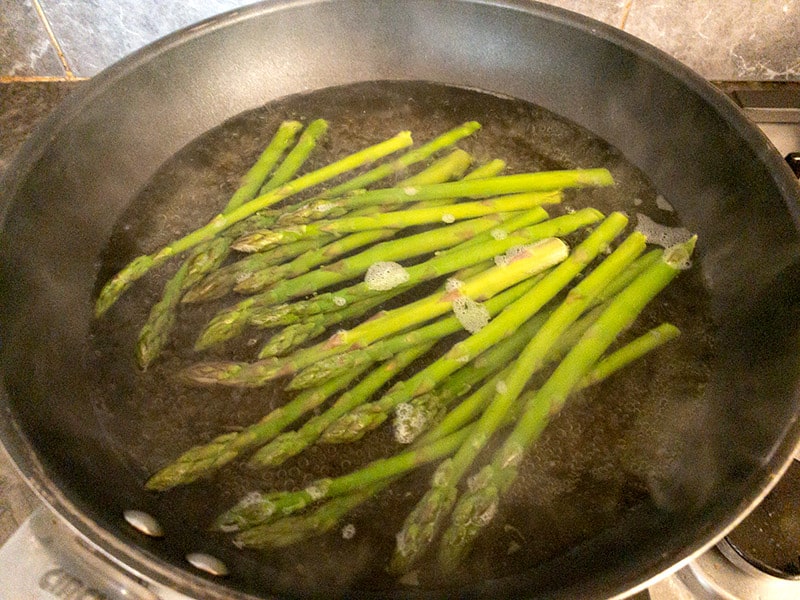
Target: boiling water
608 451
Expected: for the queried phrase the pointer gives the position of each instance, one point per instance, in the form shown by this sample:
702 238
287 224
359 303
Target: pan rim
36 144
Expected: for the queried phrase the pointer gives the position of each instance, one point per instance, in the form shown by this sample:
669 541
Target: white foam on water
385 275
472 315
661 235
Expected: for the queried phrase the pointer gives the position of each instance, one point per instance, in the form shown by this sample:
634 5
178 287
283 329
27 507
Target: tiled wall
720 39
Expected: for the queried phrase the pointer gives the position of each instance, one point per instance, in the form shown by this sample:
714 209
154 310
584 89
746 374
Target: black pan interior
78 178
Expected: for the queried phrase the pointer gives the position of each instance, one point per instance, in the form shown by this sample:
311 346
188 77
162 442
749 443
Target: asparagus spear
296 334
413 156
368 416
230 322
205 459
529 261
337 363
256 510
325 302
444 264
292 529
222 281
295 158
310 259
207 256
444 169
490 186
293 442
258 240
423 523
412 418
485 285
155 332
477 507
142 264
630 352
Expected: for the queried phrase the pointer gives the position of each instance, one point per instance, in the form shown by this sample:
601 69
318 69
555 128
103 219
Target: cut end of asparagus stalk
679 256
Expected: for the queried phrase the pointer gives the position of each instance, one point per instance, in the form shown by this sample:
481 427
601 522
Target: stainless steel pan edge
197 46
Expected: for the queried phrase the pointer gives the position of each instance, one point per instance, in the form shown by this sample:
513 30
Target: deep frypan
72 181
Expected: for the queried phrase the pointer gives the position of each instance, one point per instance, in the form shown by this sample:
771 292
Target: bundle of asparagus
505 308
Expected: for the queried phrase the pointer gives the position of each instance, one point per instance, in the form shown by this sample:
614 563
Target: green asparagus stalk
205 459
291 443
432 174
230 322
254 178
222 281
142 264
493 168
155 332
477 507
471 188
296 158
409 158
310 259
296 334
449 167
445 264
452 166
258 240
292 529
329 301
647 342
337 363
368 416
255 510
207 256
413 418
529 261
485 285
423 523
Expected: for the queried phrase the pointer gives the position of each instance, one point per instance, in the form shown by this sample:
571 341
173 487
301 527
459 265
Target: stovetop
760 559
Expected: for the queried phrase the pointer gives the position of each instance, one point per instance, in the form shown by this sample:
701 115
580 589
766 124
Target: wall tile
25 48
724 40
94 34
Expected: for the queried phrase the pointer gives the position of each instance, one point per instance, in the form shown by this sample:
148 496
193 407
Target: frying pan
79 173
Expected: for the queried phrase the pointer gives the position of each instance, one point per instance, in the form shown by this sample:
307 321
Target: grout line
626 11
69 75
37 78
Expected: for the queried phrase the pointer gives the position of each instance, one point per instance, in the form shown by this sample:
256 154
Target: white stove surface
34 567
